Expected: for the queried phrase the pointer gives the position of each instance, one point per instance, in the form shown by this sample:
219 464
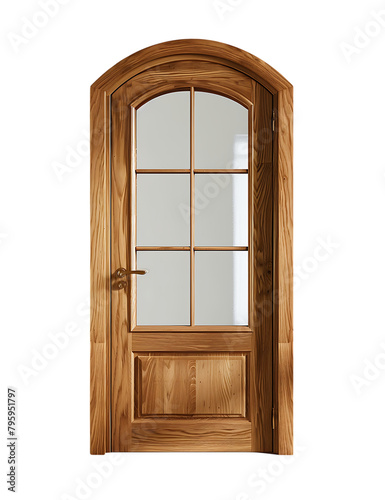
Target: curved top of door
191 49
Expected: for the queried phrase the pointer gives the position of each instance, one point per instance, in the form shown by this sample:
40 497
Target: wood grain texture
261 263
283 273
285 398
167 385
193 385
100 275
285 211
221 385
184 75
120 257
99 415
211 434
193 50
227 76
191 341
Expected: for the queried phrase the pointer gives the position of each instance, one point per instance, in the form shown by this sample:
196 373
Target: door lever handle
122 272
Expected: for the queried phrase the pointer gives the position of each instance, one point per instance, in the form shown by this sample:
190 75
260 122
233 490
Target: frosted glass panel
221 132
162 203
221 288
163 294
221 210
163 132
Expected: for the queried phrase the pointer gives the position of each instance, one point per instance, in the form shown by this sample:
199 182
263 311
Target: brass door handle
122 272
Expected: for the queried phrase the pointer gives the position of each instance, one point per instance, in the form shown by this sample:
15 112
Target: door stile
121 337
261 259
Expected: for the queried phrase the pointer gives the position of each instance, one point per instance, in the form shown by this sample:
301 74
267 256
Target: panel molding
190 384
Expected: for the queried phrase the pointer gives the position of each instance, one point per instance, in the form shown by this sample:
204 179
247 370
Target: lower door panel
190 402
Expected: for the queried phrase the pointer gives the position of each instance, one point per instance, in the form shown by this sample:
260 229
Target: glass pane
163 132
221 288
221 130
163 294
163 202
221 210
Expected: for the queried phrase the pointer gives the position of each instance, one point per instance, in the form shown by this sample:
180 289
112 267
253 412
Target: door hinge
273 417
273 120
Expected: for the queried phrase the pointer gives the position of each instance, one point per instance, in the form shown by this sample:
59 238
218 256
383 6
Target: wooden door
191 291
184 385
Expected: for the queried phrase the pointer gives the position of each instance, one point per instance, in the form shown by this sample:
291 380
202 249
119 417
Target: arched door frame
282 267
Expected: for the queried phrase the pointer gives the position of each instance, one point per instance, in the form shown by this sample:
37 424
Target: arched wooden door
191 174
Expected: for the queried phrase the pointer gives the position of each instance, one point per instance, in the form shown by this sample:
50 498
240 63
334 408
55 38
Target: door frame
282 265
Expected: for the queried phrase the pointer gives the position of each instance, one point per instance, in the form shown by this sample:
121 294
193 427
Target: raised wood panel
204 434
221 386
191 385
166 385
191 341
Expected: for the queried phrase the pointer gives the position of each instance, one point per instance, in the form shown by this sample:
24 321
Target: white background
339 194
